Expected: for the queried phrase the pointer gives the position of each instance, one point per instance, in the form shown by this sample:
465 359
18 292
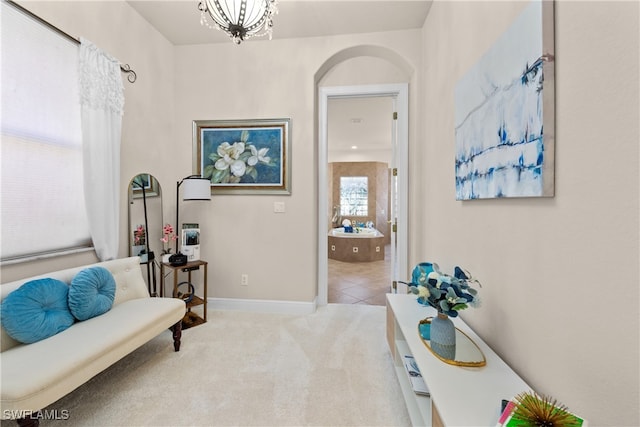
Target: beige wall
560 275
261 79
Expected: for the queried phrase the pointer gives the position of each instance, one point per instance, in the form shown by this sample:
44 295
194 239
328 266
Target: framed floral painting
243 156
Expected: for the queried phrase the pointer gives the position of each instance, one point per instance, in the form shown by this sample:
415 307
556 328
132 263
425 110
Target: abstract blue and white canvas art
504 113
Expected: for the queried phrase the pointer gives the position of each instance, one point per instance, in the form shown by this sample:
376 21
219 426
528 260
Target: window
43 206
354 195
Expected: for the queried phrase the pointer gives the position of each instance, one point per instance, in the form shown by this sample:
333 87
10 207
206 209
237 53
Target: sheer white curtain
102 106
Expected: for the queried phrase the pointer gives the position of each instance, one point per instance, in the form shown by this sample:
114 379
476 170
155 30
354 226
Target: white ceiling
364 122
179 20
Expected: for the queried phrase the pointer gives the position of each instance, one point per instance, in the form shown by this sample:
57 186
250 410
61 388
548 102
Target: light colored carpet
330 368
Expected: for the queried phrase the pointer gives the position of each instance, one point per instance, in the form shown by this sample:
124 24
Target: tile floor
359 282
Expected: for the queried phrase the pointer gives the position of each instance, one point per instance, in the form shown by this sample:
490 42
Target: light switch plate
278 207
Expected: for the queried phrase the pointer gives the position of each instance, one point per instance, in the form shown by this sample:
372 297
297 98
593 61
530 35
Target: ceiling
363 122
179 20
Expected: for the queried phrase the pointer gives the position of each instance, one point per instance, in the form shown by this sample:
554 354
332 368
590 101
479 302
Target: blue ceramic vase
443 336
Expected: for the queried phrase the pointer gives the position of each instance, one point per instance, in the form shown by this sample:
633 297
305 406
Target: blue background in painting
260 137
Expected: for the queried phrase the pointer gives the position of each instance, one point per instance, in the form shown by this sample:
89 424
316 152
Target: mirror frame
151 191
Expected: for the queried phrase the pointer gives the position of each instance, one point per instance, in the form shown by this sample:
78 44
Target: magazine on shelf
415 377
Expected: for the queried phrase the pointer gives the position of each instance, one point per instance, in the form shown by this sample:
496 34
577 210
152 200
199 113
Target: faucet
336 219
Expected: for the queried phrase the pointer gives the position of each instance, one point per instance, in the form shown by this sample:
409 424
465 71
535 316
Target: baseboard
262 306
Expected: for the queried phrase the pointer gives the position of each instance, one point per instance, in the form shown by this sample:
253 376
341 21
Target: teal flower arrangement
447 294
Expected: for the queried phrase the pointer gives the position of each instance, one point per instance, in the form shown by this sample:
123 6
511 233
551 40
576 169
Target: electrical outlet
244 280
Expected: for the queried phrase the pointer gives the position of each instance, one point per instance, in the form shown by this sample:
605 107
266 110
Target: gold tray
467 352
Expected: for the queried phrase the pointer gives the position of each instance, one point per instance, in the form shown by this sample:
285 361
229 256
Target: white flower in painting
228 154
238 168
258 156
223 163
236 149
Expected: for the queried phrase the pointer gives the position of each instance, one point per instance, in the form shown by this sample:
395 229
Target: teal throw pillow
36 310
91 293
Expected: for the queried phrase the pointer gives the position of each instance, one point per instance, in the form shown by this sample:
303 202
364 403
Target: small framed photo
191 241
243 156
190 234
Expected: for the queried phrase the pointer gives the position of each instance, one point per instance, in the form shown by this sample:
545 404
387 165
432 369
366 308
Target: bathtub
358 232
363 245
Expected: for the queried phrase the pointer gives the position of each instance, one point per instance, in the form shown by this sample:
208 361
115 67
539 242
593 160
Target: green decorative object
531 410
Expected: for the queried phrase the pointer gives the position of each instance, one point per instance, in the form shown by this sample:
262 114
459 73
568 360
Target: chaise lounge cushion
36 310
91 293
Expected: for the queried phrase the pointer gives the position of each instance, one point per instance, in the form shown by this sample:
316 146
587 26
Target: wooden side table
190 318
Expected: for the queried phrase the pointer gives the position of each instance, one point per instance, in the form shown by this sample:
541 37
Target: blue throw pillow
91 293
36 310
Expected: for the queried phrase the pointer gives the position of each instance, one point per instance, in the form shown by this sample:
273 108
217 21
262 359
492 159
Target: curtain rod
131 75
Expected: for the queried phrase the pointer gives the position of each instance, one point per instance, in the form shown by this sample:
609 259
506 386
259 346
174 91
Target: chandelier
241 19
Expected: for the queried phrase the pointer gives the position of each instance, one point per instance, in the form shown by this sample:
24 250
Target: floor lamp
194 187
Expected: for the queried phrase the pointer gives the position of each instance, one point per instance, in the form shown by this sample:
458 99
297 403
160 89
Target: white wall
560 275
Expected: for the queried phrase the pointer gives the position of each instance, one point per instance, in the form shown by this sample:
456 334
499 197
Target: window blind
43 206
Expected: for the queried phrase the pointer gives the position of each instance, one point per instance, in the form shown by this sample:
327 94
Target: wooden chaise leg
31 420
177 334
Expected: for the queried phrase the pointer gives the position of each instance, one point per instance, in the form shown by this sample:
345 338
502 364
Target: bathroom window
354 195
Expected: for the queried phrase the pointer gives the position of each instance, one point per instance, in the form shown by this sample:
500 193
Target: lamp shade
196 189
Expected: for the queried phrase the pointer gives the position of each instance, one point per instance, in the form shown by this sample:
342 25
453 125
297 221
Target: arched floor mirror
145 224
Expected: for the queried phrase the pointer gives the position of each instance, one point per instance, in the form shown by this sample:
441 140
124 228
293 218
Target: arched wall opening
362 71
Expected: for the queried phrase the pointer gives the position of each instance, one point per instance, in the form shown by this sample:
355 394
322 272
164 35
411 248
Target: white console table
460 396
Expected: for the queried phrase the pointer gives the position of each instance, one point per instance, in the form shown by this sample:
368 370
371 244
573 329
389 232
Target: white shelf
478 390
418 406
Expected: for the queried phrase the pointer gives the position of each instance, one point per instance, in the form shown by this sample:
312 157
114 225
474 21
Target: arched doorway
399 93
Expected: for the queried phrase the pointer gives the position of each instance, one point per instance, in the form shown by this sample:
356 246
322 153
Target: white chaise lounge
35 375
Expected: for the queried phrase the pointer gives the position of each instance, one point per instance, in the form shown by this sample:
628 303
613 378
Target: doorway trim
400 93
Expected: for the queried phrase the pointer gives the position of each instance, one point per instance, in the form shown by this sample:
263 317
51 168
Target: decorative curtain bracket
132 76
